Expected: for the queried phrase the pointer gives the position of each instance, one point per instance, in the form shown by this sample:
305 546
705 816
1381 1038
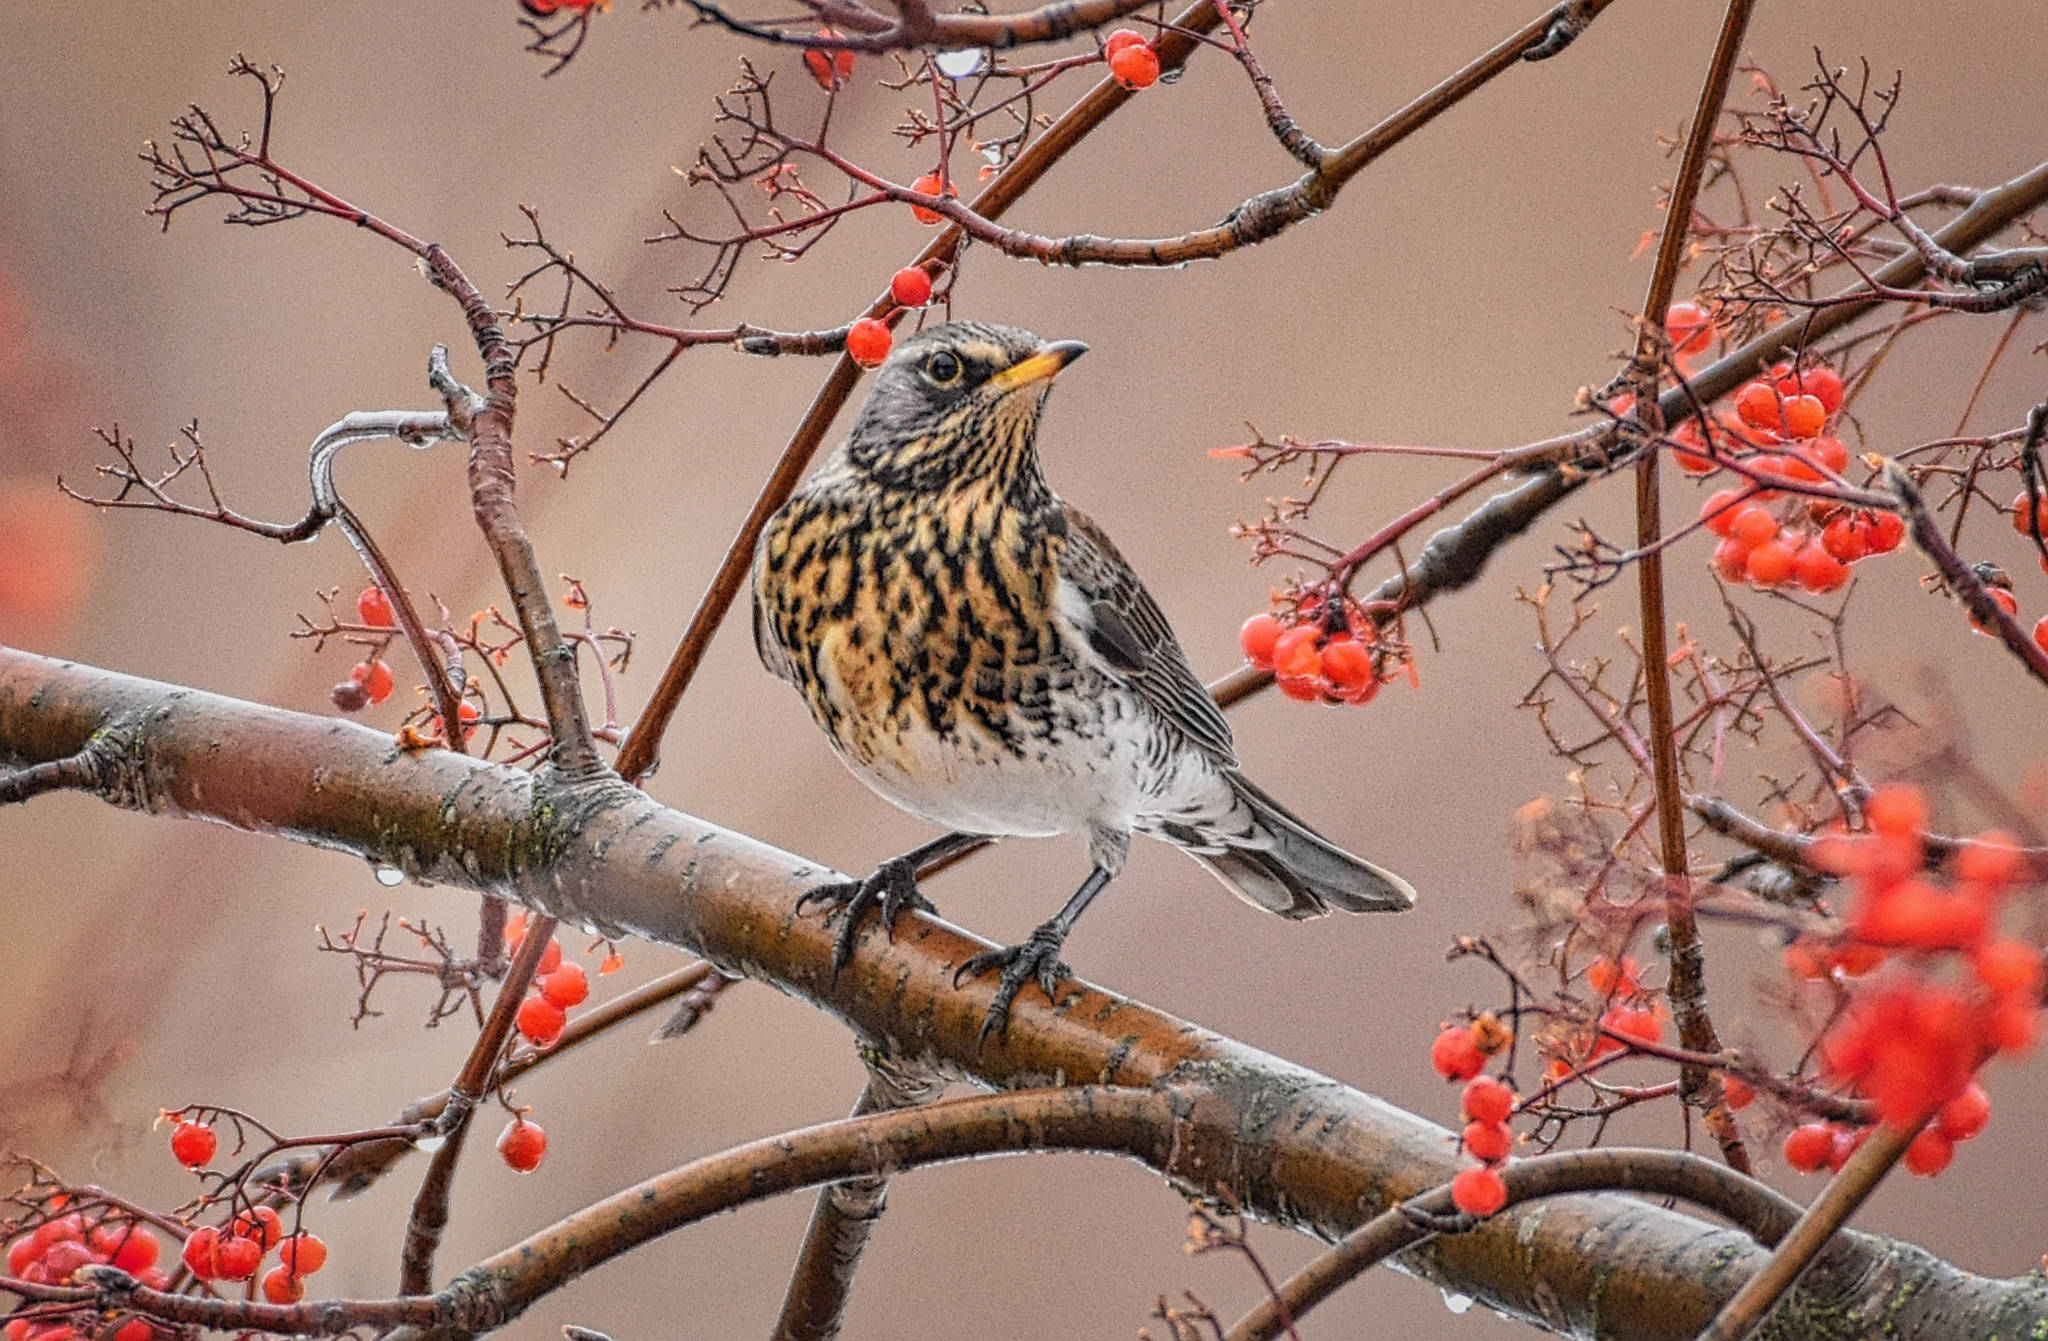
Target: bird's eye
943 368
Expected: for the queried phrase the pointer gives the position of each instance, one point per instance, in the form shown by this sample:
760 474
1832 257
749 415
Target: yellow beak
1039 367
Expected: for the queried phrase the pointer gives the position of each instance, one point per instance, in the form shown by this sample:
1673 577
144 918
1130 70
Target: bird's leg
892 885
1038 957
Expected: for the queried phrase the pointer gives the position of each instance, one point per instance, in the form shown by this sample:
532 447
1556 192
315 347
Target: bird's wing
766 644
1126 628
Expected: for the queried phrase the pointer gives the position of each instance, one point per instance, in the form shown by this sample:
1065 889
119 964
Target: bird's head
957 402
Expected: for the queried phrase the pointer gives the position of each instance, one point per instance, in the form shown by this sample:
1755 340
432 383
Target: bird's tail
1290 869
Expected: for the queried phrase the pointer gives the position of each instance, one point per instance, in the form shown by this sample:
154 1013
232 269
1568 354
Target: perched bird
979 653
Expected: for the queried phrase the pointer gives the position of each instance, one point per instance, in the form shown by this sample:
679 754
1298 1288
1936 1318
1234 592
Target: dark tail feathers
1299 873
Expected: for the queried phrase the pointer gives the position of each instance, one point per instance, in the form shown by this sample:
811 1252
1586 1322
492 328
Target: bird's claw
892 887
1036 959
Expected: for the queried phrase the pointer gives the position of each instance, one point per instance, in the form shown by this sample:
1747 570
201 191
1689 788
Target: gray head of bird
958 402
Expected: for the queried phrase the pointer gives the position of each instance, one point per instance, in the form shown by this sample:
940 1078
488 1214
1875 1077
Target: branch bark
1283 1142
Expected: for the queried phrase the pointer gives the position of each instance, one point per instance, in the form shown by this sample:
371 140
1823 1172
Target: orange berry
1298 652
1454 1055
1753 525
567 986
541 1021
302 1254
829 67
1478 1191
1717 514
1897 808
1845 539
2012 969
911 286
1257 637
1487 1100
2029 513
1805 417
1731 560
1808 1147
1991 858
1121 38
1817 570
373 608
1930 1153
1739 1093
1887 532
1770 564
1346 664
1610 977
2004 600
193 1144
522 1144
868 342
931 184
280 1286
1965 1115
1135 67
1488 1141
1689 328
1757 403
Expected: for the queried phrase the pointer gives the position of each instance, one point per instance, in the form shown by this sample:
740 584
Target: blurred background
1459 293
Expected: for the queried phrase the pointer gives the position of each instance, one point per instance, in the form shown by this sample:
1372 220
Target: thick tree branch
1281 1141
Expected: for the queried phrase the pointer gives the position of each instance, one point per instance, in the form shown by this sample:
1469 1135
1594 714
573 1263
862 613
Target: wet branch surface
1283 1142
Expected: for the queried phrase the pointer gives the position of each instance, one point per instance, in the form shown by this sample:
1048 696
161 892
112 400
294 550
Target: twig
1666 1173
1829 1211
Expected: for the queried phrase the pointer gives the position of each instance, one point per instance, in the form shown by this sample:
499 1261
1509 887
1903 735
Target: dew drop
960 64
1457 1303
388 876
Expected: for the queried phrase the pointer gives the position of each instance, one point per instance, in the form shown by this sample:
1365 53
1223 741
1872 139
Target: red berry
2004 600
1718 513
1488 1141
280 1286
522 1143
1690 329
1633 1023
1691 451
1757 403
1455 1055
1257 637
1830 452
1610 977
1346 664
541 1021
1478 1191
1753 525
2010 968
911 286
202 1253
567 986
374 677
373 608
302 1254
1965 1115
128 1246
1135 67
1930 1153
868 342
260 1224
1887 532
1808 1147
64 1258
1739 1093
1805 417
1301 688
1298 652
930 184
550 957
193 1144
135 1329
613 962
2026 511
1121 38
1897 808
237 1258
1845 539
2041 633
1816 569
1992 858
1487 1100
1770 564
1824 384
1731 560
829 67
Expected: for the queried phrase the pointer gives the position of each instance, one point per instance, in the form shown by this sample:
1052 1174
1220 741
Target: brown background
1458 294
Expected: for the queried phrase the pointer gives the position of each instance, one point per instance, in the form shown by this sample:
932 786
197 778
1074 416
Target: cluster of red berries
1813 1146
370 681
1958 991
868 340
1630 1015
236 1253
559 985
1133 62
54 1249
830 67
1780 426
1310 662
1487 1105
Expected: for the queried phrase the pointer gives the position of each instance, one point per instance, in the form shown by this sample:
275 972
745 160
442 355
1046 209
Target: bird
979 653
